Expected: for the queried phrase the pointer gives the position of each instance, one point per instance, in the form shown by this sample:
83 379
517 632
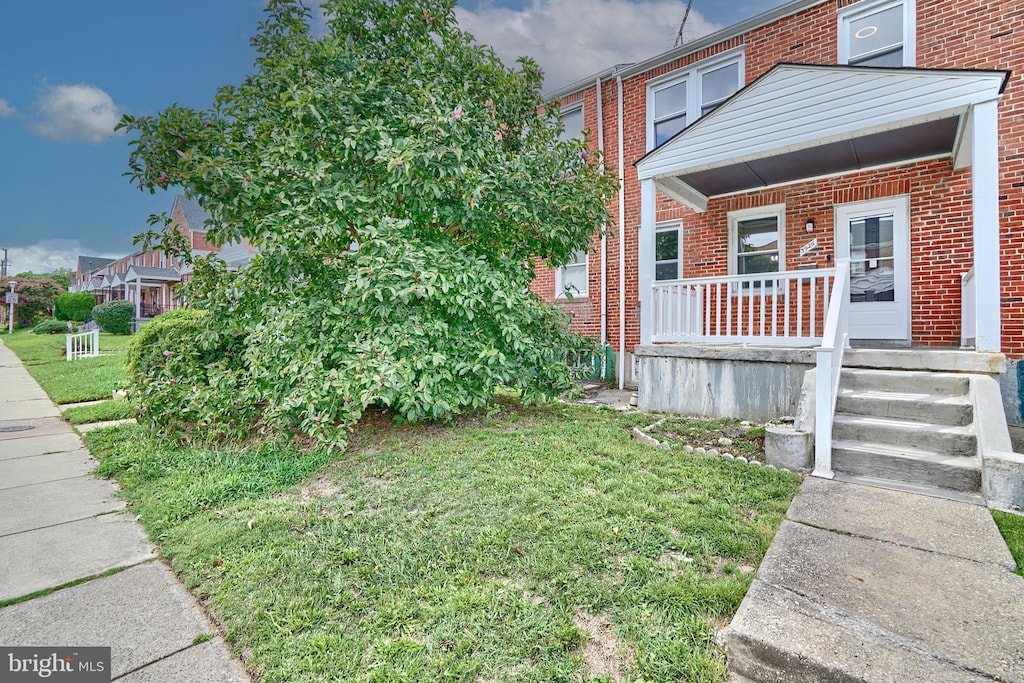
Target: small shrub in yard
74 306
114 317
51 327
174 376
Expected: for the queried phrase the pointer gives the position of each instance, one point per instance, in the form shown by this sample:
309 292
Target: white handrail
82 345
835 340
756 308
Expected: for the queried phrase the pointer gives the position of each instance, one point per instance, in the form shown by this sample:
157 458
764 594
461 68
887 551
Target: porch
749 338
151 290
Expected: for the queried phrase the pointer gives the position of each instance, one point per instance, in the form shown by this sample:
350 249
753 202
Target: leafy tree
36 294
399 181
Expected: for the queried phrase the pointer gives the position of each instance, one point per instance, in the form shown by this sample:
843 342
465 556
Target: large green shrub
50 327
74 306
115 317
175 372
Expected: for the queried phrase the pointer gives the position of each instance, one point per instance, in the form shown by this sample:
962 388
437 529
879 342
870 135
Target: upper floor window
678 101
877 33
571 119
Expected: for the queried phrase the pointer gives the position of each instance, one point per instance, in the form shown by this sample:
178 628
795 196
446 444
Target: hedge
115 316
77 307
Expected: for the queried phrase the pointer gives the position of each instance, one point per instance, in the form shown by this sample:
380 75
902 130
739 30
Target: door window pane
872 266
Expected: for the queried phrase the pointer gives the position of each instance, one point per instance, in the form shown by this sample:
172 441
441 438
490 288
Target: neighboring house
149 278
875 147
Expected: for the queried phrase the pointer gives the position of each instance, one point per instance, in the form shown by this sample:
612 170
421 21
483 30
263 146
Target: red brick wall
950 34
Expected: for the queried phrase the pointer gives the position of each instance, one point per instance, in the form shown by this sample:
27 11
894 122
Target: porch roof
146 275
801 121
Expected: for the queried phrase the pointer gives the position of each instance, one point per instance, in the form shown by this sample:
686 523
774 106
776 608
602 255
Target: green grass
85 379
475 552
1012 528
98 412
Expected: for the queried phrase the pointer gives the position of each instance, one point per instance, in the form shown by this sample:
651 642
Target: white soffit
795 106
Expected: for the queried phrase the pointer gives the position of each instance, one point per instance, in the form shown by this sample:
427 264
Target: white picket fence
82 345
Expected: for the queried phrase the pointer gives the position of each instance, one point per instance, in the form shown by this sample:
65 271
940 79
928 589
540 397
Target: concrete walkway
63 533
869 584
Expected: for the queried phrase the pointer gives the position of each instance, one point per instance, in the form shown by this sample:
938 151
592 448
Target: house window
676 102
571 119
757 241
877 34
668 248
571 279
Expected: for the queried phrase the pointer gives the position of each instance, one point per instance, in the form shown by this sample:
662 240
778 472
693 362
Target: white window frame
572 109
692 75
735 217
666 226
867 7
560 292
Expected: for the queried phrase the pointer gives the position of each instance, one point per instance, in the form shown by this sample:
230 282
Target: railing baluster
764 287
814 307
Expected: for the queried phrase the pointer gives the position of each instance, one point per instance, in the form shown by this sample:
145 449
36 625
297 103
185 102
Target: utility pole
3 272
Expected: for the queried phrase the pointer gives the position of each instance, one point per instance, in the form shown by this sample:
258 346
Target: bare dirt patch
323 486
602 655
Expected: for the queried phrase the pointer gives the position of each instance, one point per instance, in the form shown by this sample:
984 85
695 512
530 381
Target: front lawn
104 411
66 381
1012 528
537 544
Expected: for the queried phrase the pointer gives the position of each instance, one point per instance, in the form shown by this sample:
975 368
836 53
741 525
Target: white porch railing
835 340
968 310
83 345
787 308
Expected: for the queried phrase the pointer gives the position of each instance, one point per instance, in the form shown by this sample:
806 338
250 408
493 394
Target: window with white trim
877 33
677 101
668 251
571 279
571 118
757 241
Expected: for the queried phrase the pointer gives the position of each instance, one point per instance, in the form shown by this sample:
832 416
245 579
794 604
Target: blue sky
69 69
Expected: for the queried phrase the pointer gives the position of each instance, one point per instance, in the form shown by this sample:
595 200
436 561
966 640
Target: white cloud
6 110
572 39
47 255
81 113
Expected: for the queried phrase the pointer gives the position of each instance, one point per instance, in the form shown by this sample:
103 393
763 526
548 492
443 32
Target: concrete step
907 405
944 439
907 464
944 384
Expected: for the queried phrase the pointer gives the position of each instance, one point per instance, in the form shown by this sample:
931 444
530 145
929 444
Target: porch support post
645 258
138 297
985 203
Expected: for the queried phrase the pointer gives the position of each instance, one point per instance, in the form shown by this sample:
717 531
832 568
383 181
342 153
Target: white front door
875 236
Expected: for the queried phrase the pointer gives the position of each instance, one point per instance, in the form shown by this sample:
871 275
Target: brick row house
149 278
830 174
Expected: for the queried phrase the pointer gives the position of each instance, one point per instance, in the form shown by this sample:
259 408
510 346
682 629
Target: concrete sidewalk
61 526
869 584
